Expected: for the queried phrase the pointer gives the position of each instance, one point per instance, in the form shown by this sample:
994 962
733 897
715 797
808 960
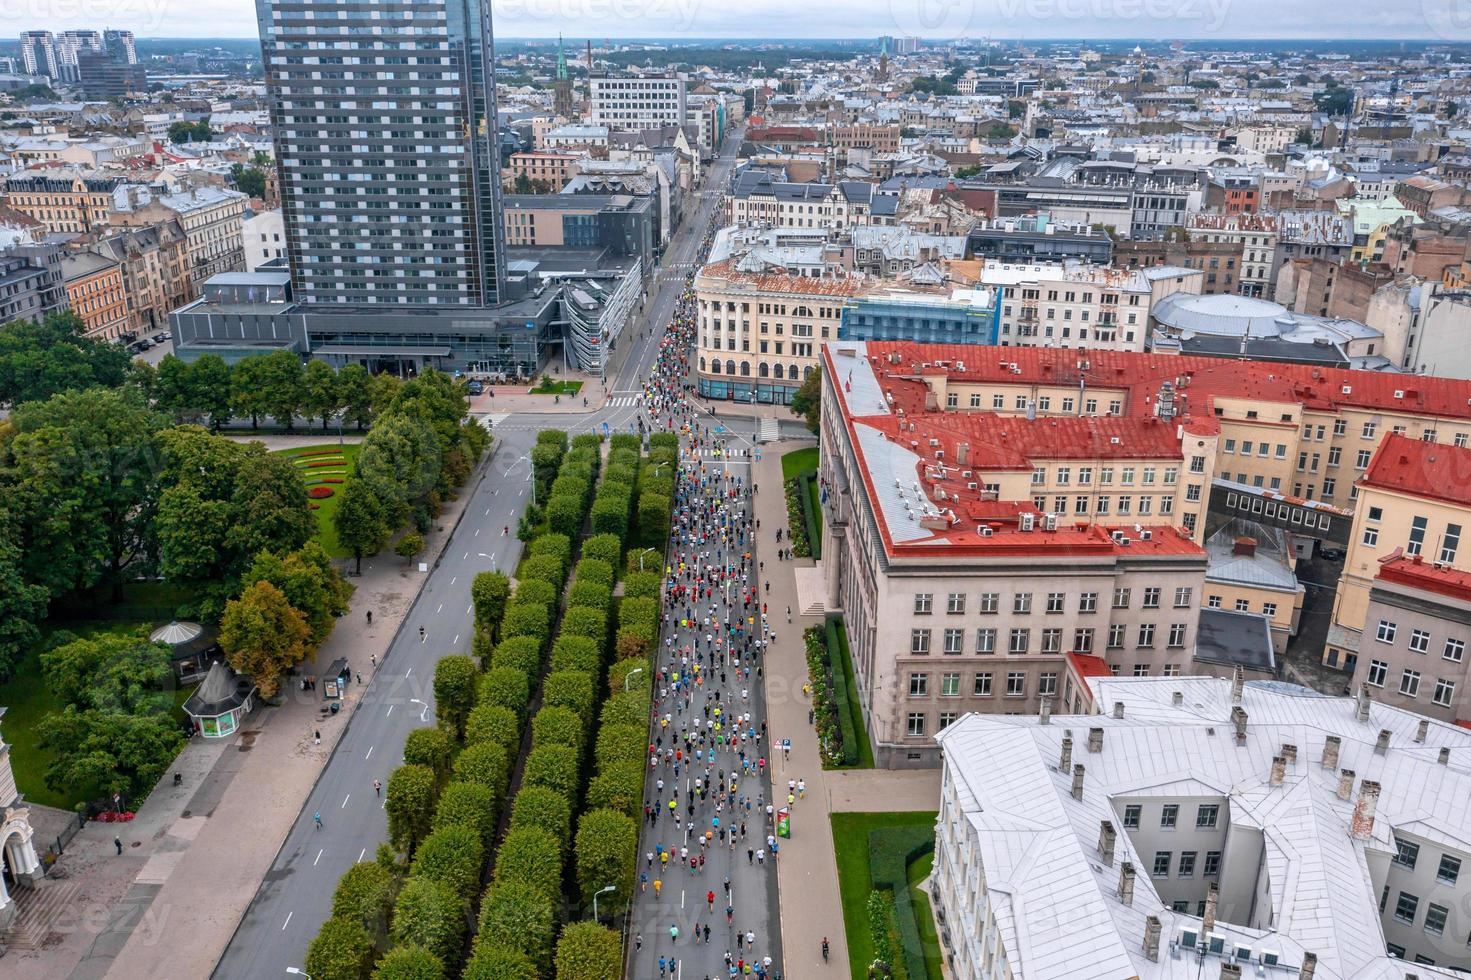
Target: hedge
489 592
653 516
545 809
521 653
428 914
559 546
451 856
642 585
494 723
553 766
593 595
455 680
576 653
471 805
558 438
533 589
627 708
603 547
342 950
621 743
432 748
530 857
588 951
663 440
587 439
890 852
495 962
619 786
620 672
527 619
610 516
564 514
517 919
485 763
507 687
591 623
607 854
571 689
547 568
809 519
624 440
558 725
640 616
595 570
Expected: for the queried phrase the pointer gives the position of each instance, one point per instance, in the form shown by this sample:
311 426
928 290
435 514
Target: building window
1088 602
916 723
1083 640
1141 670
1212 863
1021 638
1406 907
1186 868
985 641
1455 650
1445 692
1131 816
1162 863
982 686
1116 636
1047 684
1213 602
1386 631
919 685
1416 543
1371 536
1054 602
1021 602
1146 635
1450 543
1016 684
1183 594
990 601
1369 430
919 641
955 641
1378 670
1435 919
1409 683
1177 634
955 603
949 685
1121 598
1206 815
1169 815
1419 641
1406 853
922 603
1449 870
947 718
1151 597
1052 641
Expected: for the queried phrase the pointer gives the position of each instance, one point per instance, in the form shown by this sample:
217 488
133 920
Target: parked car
160 337
1331 554
475 387
144 344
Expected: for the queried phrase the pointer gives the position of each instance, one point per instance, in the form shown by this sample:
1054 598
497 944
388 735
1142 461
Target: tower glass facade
385 121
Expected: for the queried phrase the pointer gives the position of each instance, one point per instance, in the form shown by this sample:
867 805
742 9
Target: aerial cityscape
471 474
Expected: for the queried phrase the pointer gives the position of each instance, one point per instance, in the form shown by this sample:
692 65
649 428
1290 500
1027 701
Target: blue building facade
966 317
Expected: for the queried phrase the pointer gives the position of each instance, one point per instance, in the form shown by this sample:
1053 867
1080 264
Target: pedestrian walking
317 819
317 737
117 842
824 949
377 787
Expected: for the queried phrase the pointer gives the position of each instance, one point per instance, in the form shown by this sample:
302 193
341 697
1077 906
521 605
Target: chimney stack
1230 971
1309 966
1151 938
1212 896
1126 883
1289 752
1345 783
1106 838
1363 706
1422 729
1381 746
1095 740
1445 755
1078 781
1118 709
1238 718
1045 716
1066 762
1279 769
1363 823
1238 683
1178 698
1330 751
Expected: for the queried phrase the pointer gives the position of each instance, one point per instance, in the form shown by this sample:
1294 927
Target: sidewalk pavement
166 907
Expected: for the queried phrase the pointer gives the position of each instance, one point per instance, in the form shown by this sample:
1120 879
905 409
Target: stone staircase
40 908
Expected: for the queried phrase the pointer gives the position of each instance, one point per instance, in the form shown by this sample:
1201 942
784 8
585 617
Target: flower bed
825 712
320 493
319 452
339 461
314 506
796 526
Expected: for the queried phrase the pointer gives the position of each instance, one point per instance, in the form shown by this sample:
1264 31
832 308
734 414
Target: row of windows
1269 609
1055 602
1450 541
1206 816
981 685
1019 640
1063 475
1124 506
1186 866
1409 683
1454 649
1283 511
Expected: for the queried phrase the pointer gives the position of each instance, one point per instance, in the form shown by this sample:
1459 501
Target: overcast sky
937 19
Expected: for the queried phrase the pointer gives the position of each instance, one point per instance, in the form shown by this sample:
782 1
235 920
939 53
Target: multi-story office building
385 124
69 47
636 101
1033 240
38 54
107 74
1202 827
121 45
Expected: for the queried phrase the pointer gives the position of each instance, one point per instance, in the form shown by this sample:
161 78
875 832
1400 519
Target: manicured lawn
797 461
27 700
855 879
557 388
814 500
326 532
860 730
924 918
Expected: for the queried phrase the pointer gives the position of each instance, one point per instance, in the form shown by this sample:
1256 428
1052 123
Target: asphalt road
295 897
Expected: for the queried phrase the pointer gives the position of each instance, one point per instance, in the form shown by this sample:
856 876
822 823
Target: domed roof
1224 315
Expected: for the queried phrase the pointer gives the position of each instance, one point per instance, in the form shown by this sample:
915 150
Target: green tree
619 786
248 180
495 724
361 524
409 545
322 397
455 679
495 962
38 360
342 950
554 725
268 507
470 805
111 750
484 763
451 856
356 390
285 386
573 690
545 809
248 392
489 592
110 672
208 389
507 687
409 800
807 400
523 184
518 919
22 604
607 853
310 583
263 636
431 747
588 951
413 962
365 895
620 743
429 915
530 858
552 766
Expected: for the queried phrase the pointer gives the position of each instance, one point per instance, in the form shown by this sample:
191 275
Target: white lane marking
452 581
344 801
408 672
440 609
288 921
390 711
317 858
487 512
468 609
681 898
477 532
361 853
457 640
466 557
370 753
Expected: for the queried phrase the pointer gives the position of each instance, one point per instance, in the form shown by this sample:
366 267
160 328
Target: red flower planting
315 506
326 462
319 493
333 479
319 452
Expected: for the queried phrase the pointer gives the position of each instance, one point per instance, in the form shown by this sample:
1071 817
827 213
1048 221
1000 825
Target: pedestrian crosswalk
770 430
623 401
495 419
731 453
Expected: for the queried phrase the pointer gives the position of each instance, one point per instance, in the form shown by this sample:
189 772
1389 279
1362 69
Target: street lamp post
299 972
603 891
422 714
636 670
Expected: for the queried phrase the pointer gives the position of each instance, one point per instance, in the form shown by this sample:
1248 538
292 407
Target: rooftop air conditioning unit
934 442
1117 536
1146 535
1114 440
1049 522
973 486
1347 389
984 531
1028 521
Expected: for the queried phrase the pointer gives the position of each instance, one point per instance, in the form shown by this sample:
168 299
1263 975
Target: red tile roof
1422 469
1424 575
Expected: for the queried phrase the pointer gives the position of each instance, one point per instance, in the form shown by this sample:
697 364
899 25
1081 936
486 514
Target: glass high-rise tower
386 143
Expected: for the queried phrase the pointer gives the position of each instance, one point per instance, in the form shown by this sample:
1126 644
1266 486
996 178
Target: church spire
561 60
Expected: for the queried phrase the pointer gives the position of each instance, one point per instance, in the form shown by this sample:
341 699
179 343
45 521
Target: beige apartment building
66 202
211 218
94 289
1080 305
1255 233
545 169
